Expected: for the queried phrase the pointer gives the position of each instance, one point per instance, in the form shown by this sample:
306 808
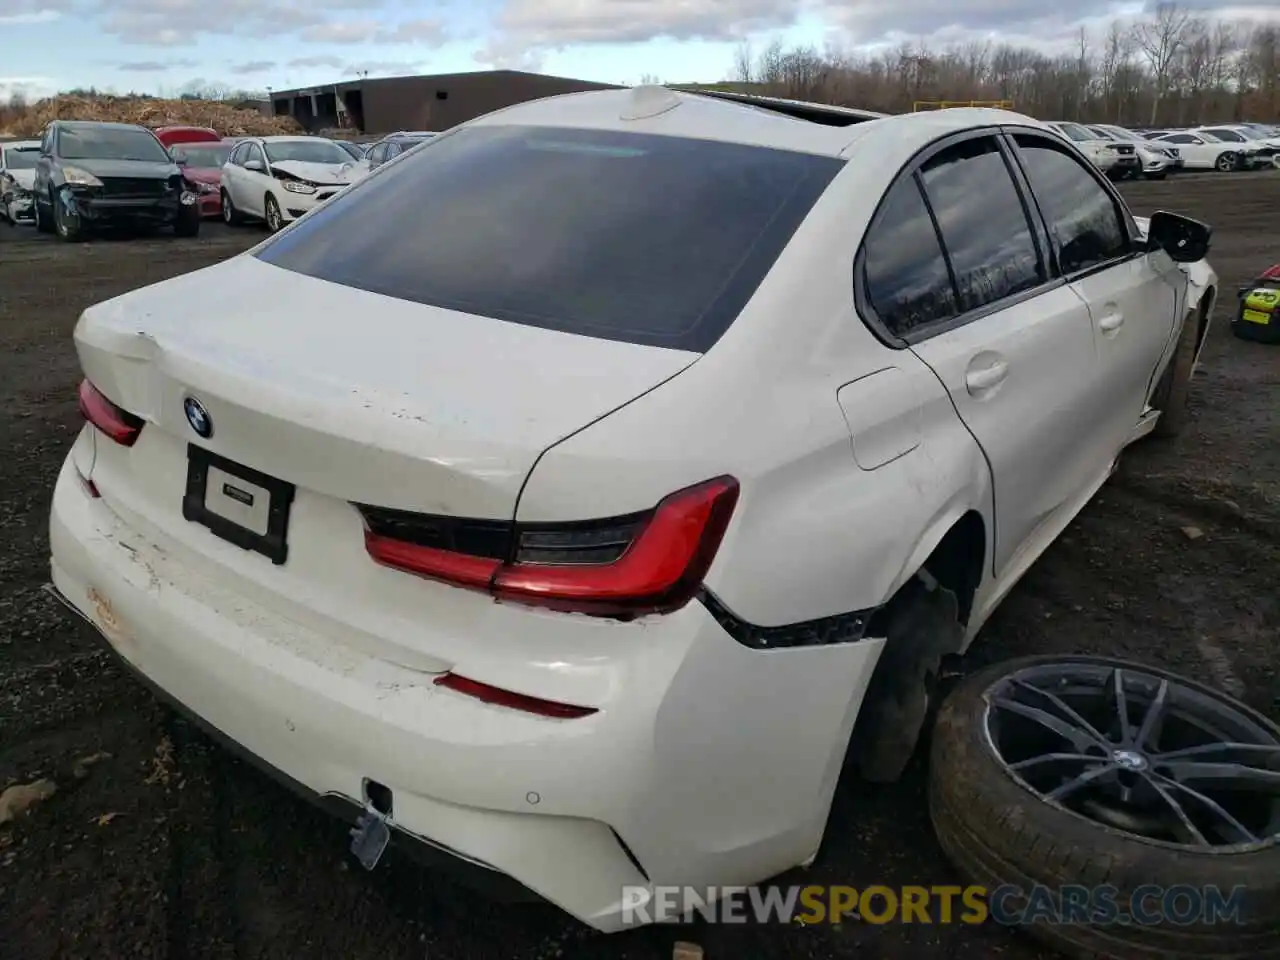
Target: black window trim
1135 246
1039 236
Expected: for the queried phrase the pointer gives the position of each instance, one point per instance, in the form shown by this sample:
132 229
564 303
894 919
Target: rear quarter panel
814 534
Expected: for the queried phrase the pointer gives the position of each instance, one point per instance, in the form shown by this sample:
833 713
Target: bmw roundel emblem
198 417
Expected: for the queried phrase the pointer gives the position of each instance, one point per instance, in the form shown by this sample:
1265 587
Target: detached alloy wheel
1094 772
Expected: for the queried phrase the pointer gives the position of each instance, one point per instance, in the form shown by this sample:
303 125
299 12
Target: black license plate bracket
271 542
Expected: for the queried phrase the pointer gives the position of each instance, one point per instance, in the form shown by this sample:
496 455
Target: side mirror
253 165
1183 239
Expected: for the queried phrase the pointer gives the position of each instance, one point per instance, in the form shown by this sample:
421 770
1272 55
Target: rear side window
983 223
907 282
647 239
1087 224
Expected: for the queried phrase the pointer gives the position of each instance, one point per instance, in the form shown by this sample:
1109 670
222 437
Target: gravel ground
169 848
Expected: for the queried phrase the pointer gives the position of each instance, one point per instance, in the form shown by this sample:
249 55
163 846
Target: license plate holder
237 489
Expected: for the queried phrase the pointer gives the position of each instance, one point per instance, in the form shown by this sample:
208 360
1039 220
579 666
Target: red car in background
172 136
201 152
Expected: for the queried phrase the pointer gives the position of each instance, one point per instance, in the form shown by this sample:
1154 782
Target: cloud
155 66
430 33
382 67
21 17
523 28
424 32
341 31
322 60
178 22
253 66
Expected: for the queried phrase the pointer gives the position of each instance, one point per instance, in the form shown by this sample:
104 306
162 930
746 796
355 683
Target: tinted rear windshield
646 239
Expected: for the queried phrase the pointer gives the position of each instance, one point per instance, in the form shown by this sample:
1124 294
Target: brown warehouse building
385 105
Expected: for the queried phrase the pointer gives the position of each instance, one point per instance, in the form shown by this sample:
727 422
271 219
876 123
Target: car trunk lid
353 395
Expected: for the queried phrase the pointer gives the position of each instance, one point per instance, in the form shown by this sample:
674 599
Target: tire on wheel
230 215
69 228
44 224
1171 393
187 223
1227 162
999 827
271 209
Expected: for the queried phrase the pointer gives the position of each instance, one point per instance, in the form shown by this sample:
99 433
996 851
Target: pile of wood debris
227 118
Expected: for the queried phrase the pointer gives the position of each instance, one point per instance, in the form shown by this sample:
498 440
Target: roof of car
19 144
101 123
745 120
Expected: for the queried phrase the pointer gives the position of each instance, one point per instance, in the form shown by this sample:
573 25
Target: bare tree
744 63
1160 39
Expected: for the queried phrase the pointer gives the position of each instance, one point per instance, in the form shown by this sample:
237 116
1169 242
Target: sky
166 46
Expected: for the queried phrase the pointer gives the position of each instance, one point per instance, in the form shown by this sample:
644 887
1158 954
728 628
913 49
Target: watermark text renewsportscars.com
1009 905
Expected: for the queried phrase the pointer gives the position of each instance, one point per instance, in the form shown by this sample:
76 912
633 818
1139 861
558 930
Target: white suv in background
278 179
1116 160
1157 159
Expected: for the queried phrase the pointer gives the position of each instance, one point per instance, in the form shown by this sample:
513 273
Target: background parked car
278 179
171 136
17 179
1265 148
202 166
1156 159
93 174
356 150
1117 160
390 147
1204 151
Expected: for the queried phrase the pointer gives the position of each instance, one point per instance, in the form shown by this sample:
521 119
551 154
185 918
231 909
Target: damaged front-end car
95 175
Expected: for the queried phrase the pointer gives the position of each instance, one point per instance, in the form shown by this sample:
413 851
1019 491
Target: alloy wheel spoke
1065 709
1080 739
1235 826
1153 721
1083 780
1237 775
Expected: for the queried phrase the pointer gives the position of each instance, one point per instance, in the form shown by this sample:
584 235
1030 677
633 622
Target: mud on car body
109 174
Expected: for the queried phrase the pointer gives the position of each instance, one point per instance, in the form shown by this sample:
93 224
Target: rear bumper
709 764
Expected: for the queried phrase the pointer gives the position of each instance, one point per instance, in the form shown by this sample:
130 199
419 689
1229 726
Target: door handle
985 378
1111 322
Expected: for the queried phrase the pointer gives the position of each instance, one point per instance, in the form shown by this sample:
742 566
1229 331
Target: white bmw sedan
576 493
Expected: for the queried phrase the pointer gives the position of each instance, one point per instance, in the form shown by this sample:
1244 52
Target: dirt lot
171 849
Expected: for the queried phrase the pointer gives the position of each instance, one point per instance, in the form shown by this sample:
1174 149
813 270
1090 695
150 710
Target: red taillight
516 701
659 572
459 569
657 568
118 424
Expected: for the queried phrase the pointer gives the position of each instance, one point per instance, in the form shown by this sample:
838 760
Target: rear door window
646 239
983 223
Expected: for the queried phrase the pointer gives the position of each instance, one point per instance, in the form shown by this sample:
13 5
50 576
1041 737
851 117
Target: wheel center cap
1129 759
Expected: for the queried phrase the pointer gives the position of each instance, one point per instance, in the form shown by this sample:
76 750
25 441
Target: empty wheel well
922 624
956 562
